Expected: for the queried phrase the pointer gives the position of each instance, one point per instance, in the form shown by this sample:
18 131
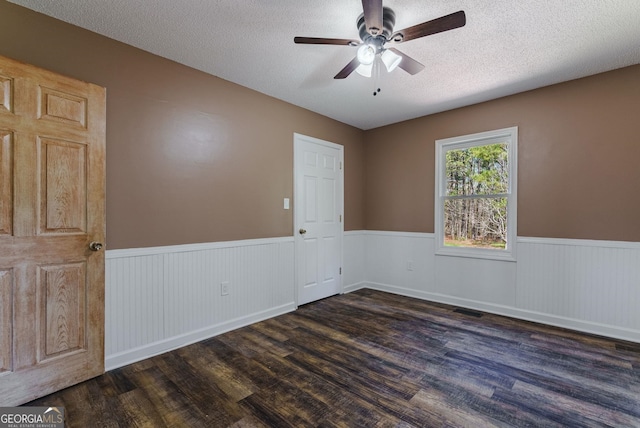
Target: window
476 180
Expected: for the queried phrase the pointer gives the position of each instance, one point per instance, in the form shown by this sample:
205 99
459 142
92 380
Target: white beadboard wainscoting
162 298
585 285
158 299
353 260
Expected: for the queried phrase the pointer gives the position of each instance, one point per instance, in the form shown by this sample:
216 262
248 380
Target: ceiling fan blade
438 25
348 69
408 64
325 41
373 16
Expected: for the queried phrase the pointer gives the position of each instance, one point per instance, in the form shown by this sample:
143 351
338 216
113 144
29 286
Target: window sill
477 253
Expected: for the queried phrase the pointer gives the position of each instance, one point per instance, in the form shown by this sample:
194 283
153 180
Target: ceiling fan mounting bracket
388 21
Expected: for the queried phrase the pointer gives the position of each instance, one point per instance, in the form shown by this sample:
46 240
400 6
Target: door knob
302 231
95 246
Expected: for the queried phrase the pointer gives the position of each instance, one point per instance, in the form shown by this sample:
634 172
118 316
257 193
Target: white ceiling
506 47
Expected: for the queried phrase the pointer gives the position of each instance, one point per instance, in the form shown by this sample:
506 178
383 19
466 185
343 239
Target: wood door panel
6 181
24 317
25 186
63 186
6 317
62 309
62 107
6 94
51 207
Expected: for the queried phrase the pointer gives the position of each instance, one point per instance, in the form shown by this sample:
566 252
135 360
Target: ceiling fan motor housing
388 21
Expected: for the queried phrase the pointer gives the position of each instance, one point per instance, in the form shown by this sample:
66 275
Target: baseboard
542 318
147 351
354 287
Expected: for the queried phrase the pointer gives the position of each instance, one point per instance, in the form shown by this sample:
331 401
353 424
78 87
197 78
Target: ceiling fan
375 26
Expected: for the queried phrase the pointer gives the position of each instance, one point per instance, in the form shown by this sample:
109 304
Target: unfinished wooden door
52 179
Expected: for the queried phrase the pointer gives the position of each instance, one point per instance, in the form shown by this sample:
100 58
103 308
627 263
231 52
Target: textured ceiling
506 47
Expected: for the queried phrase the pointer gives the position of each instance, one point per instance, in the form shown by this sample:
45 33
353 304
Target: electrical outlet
224 288
410 265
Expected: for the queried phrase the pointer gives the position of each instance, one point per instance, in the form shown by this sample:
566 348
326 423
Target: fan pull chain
376 76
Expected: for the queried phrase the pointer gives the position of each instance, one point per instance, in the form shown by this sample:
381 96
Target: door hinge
340 218
340 271
340 164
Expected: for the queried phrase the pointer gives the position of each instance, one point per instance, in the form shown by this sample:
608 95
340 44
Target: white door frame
298 139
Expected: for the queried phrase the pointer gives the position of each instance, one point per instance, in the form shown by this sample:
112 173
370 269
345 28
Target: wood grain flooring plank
290 403
85 405
209 400
120 381
452 414
269 328
229 380
605 355
595 394
108 384
234 340
372 359
250 421
556 414
175 408
563 405
259 376
347 409
264 342
408 353
366 369
550 364
382 395
464 407
139 410
346 356
471 377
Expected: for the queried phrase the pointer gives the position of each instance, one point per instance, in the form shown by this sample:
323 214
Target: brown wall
578 160
193 158
190 157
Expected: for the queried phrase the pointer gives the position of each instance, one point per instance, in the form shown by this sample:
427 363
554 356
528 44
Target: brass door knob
95 246
302 231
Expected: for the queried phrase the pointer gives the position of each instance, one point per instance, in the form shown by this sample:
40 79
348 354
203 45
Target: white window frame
506 135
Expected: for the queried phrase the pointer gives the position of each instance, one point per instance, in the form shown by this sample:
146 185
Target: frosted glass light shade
390 59
364 69
366 54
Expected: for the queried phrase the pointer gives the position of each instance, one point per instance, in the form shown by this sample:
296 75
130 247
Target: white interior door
318 226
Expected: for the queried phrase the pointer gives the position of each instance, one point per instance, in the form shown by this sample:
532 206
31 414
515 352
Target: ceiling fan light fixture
365 70
375 28
366 54
390 59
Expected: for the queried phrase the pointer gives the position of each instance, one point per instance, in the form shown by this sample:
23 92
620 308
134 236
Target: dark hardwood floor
372 359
